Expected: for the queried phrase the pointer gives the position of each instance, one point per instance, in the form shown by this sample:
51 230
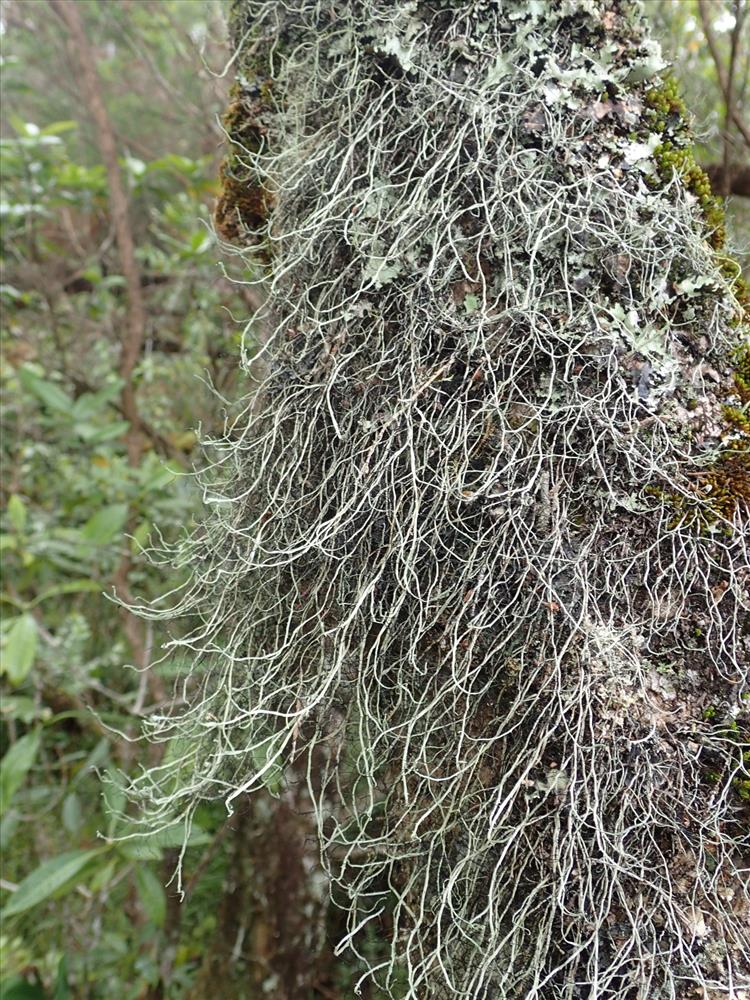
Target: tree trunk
480 557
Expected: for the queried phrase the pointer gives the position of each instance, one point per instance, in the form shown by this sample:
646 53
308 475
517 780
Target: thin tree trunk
131 342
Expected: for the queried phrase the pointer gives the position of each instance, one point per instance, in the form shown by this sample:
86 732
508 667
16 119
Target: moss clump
667 115
242 207
736 418
664 100
672 158
742 373
244 203
726 484
721 490
742 784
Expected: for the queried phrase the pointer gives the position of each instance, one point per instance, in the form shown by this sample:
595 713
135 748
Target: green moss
667 115
244 202
663 100
742 373
736 418
721 489
742 784
673 159
727 483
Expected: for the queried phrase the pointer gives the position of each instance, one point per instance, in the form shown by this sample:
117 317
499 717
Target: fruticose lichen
477 563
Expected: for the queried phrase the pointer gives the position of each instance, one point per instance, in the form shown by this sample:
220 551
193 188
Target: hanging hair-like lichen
476 552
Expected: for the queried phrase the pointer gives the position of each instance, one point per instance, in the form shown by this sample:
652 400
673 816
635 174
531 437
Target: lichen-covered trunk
479 551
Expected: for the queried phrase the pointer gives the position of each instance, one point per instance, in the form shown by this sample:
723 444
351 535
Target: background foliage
84 915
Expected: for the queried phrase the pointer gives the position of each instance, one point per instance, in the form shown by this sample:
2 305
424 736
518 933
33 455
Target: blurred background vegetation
95 451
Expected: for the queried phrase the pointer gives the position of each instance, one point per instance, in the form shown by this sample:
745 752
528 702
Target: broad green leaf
20 649
141 536
23 709
105 524
49 393
50 877
8 826
91 404
19 989
102 434
56 127
159 477
22 127
17 513
152 895
15 766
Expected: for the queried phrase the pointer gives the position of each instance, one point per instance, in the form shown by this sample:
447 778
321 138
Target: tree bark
480 552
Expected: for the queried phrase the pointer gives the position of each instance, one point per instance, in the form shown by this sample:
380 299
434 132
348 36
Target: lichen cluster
445 577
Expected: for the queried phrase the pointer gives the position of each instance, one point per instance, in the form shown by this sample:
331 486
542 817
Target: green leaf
49 393
150 846
71 587
103 876
50 877
105 524
19 989
56 127
62 991
22 709
8 826
72 814
159 477
92 404
97 758
17 513
115 800
13 601
15 766
20 649
152 895
22 127
100 435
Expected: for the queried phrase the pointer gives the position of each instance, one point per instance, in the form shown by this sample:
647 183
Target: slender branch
738 181
131 342
721 70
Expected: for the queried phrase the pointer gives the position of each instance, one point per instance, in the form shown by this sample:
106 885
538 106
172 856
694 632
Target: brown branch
131 342
721 70
738 183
